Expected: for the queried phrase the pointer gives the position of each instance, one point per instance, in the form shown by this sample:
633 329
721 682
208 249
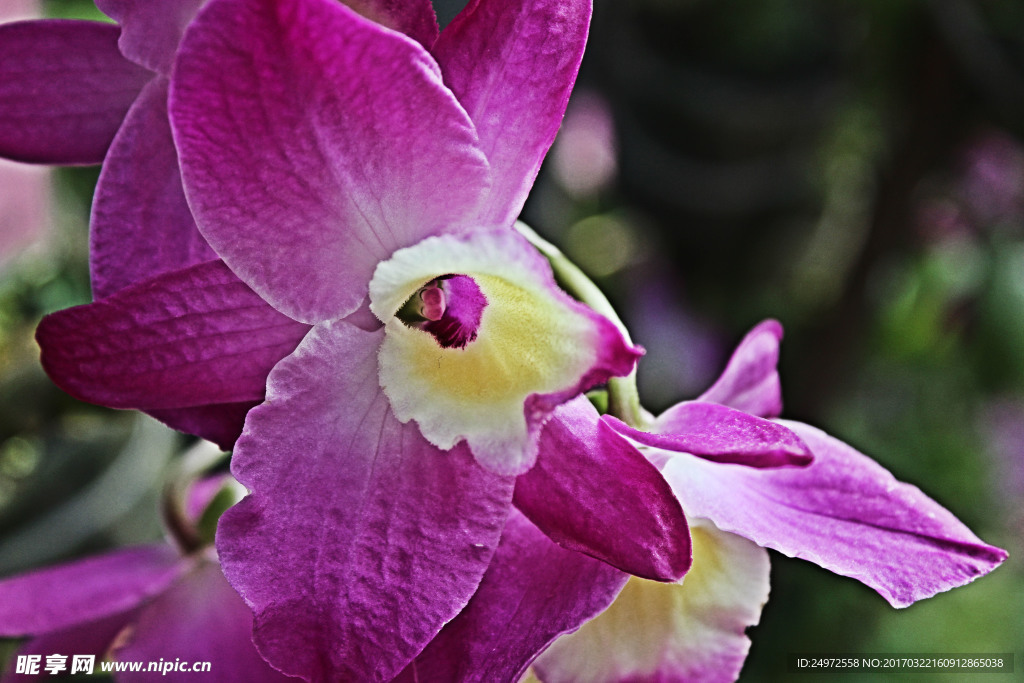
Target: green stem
623 396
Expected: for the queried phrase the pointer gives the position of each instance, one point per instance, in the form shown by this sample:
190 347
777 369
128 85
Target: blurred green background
854 169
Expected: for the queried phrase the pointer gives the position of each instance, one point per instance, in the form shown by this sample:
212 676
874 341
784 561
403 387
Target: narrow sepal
721 434
193 337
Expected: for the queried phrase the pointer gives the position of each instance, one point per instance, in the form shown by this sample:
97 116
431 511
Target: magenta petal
721 434
359 539
512 64
319 145
414 18
750 381
193 337
150 31
592 491
64 90
86 590
141 224
220 423
845 513
199 619
533 592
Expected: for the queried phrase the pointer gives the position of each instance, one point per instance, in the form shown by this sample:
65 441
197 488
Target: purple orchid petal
724 435
845 513
593 492
199 619
220 423
193 337
64 90
512 64
88 638
63 596
414 18
672 633
532 592
359 539
141 225
750 381
150 31
319 145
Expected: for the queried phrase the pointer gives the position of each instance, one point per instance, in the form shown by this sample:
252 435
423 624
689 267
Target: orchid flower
389 453
360 192
843 512
141 604
358 187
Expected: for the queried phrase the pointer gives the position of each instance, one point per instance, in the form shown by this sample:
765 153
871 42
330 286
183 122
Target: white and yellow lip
534 348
